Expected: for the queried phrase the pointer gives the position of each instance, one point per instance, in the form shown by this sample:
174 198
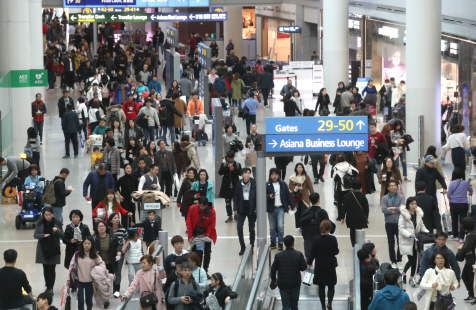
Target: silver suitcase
447 222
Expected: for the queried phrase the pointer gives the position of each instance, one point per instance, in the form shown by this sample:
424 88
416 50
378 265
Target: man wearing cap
429 174
63 102
288 89
145 75
252 104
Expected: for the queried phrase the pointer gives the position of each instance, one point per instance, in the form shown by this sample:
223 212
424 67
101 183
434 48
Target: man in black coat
429 174
248 78
356 209
63 102
170 120
70 125
60 193
244 205
230 170
310 221
288 264
266 83
431 213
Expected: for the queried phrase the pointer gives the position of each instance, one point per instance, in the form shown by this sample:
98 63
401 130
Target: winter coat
209 221
238 197
153 119
288 264
397 176
324 251
187 200
391 297
310 220
181 107
437 166
406 230
103 284
425 261
398 202
340 170
210 195
119 210
111 157
444 277
322 103
266 80
236 86
431 212
195 105
230 179
62 105
290 108
114 247
122 116
429 176
141 280
356 210
35 107
306 185
156 85
56 237
179 159
171 110
190 151
131 109
284 195
93 180
71 248
186 86
221 294
70 122
60 192
170 162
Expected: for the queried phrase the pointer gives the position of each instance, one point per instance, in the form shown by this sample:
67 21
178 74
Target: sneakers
66 157
75 156
316 181
413 283
394 265
242 251
404 279
273 246
266 107
461 241
469 298
321 179
280 247
400 265
407 179
229 220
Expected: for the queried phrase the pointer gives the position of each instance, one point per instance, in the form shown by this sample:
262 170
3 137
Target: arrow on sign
191 16
73 18
113 17
360 124
273 144
152 17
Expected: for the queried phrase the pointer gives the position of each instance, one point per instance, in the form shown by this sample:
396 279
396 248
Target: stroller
30 209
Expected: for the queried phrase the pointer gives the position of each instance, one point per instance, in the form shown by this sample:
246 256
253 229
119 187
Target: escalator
309 299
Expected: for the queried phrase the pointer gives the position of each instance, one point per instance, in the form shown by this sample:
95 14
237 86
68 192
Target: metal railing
260 292
355 297
243 280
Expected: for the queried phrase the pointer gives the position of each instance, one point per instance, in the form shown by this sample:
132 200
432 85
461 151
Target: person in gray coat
152 120
49 232
112 158
17 167
178 297
391 204
345 100
167 168
186 86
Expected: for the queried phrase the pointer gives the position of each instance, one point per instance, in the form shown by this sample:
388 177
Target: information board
135 3
172 36
289 29
205 55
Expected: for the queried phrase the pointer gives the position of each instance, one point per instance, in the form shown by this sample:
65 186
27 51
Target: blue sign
205 55
172 36
316 143
201 86
316 125
217 9
187 17
289 29
135 3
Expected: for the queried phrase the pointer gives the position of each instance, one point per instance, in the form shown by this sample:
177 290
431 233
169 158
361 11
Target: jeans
39 129
237 102
73 137
166 181
392 233
276 218
458 213
250 121
149 134
51 80
374 161
129 66
251 225
38 199
85 287
290 297
161 46
403 157
315 159
265 92
49 273
58 213
117 280
133 268
229 209
84 128
172 133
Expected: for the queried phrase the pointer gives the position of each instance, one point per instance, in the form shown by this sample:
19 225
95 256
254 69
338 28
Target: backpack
49 197
188 161
114 117
220 85
163 113
176 286
105 92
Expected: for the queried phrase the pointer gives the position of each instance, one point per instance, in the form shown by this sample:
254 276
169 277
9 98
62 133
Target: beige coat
307 188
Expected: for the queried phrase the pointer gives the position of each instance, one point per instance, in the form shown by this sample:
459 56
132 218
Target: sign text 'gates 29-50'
316 134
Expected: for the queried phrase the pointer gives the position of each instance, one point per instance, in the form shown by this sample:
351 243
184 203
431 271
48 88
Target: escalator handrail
259 274
159 250
357 277
240 272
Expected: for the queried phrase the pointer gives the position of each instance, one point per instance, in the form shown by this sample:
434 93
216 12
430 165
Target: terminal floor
225 257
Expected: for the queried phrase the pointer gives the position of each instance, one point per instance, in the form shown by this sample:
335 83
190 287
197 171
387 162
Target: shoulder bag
150 299
297 195
360 206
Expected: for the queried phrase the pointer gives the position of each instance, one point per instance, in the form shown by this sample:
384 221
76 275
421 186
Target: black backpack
114 117
188 161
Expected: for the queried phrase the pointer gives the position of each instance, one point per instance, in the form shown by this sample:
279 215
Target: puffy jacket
390 297
288 264
406 230
60 192
103 283
93 180
340 170
238 197
209 220
112 153
449 254
396 202
284 193
122 116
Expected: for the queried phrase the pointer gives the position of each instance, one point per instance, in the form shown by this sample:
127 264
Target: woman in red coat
110 205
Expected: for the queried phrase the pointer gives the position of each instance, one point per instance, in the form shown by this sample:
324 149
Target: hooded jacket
396 202
102 283
209 220
236 86
122 116
191 152
230 179
131 109
156 85
340 170
391 297
406 229
210 195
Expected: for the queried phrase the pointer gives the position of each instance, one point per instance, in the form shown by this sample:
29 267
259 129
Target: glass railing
261 294
132 303
243 281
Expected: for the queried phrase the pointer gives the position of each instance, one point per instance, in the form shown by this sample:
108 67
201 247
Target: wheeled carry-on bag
447 222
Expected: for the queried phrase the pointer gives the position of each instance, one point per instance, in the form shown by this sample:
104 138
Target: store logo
87 11
38 78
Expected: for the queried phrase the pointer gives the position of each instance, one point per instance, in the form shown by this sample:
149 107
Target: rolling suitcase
447 222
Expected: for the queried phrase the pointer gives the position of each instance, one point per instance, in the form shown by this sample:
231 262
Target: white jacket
81 107
91 94
92 115
135 251
455 140
406 229
445 278
340 169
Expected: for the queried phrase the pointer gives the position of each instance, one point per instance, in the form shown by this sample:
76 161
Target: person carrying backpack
181 288
220 85
310 221
55 194
115 113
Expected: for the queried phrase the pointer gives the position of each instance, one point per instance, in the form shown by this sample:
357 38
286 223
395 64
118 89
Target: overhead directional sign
205 55
289 29
134 3
188 17
114 17
316 134
112 10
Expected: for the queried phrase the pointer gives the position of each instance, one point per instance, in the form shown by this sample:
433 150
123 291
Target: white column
423 64
14 24
233 29
36 42
335 54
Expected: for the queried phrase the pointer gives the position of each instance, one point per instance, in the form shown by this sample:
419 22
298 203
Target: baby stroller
30 207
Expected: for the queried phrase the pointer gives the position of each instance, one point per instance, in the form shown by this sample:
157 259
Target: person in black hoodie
167 118
355 209
218 288
124 188
244 205
248 78
230 170
310 220
74 234
60 193
266 83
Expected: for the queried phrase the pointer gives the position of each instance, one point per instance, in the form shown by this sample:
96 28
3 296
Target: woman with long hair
340 90
341 169
323 102
124 188
300 185
110 206
388 172
151 149
48 231
180 162
114 224
118 134
133 131
397 138
203 186
131 149
455 147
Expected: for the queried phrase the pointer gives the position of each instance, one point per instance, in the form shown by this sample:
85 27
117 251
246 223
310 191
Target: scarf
77 232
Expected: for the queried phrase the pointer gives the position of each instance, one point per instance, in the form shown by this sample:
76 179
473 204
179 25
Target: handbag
448 299
73 276
308 278
324 112
296 196
425 237
150 299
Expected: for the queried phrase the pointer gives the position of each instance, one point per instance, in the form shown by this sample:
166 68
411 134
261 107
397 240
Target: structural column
36 42
335 54
15 104
233 29
423 64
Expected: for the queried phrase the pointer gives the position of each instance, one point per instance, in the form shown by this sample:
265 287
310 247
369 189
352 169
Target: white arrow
273 144
360 124
152 17
191 16
113 17
73 18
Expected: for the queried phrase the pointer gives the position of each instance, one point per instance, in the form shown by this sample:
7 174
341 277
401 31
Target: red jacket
193 42
130 109
45 29
209 220
38 107
119 209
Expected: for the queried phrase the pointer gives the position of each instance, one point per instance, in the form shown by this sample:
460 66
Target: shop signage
205 56
109 17
320 134
172 37
289 29
188 17
135 3
285 11
388 32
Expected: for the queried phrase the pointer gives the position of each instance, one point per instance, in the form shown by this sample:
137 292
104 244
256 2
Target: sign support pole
217 125
95 36
261 217
206 93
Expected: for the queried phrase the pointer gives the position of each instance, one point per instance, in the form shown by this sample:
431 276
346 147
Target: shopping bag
396 152
250 160
308 278
177 182
64 294
419 294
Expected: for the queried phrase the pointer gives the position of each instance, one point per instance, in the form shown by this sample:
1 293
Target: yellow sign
87 11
